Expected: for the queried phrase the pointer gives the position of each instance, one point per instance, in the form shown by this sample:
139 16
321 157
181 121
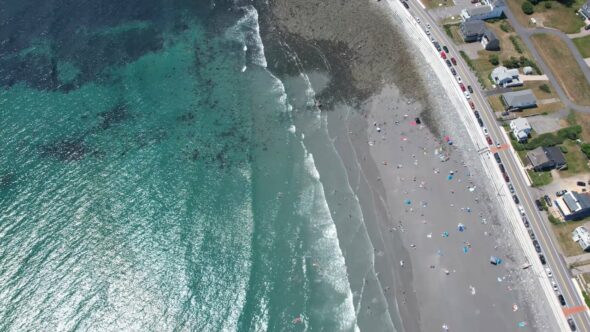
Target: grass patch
583 45
539 92
586 298
577 162
516 43
564 66
540 179
437 3
563 232
558 16
452 30
496 103
582 119
471 65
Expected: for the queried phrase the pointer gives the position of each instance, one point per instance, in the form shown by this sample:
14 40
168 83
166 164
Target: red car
454 61
462 86
472 105
506 178
489 140
443 55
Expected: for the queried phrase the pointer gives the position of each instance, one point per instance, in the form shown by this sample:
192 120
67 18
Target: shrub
494 59
504 26
545 88
585 147
570 132
563 149
548 4
567 3
534 2
516 44
527 8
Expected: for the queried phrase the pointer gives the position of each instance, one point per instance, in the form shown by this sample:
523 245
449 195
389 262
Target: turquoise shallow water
151 179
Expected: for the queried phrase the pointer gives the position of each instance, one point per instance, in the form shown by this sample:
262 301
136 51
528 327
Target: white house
505 77
521 129
488 10
582 236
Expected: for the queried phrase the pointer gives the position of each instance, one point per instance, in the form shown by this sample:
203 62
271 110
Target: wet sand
411 210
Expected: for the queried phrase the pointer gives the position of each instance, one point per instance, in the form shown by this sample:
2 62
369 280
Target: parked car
448 62
554 284
548 200
537 246
453 61
497 157
437 46
539 204
515 199
587 27
453 71
549 273
406 5
542 259
561 299
489 140
480 121
531 234
459 79
511 188
502 169
485 131
570 321
472 105
443 55
446 49
476 114
521 210
581 183
470 89
525 221
506 177
560 193
467 94
462 86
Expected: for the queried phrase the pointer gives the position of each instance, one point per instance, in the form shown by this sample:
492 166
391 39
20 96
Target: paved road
526 33
538 221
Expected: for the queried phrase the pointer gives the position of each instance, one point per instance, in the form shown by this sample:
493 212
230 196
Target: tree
494 59
545 88
548 4
527 8
567 3
586 149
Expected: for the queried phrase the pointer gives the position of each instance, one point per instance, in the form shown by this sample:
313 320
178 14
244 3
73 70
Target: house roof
537 156
490 36
519 98
555 154
584 200
520 124
479 10
472 28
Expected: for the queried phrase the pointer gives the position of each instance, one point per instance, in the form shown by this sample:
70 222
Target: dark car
515 199
506 177
502 169
548 200
511 188
497 156
561 299
560 193
581 183
542 259
406 5
480 121
454 61
476 113
587 27
531 234
571 324
437 46
537 246
470 89
489 139
448 63
525 221
446 49
539 204
472 105
453 71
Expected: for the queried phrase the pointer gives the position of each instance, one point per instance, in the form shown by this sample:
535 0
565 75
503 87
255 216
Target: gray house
585 10
505 77
573 205
519 100
489 41
472 31
546 158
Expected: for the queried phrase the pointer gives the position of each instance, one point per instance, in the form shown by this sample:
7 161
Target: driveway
544 123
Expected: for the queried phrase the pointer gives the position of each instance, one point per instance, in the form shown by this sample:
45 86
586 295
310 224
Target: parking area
545 123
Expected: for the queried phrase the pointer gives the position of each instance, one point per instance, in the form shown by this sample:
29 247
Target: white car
554 284
459 79
417 19
485 131
549 273
521 210
467 94
428 25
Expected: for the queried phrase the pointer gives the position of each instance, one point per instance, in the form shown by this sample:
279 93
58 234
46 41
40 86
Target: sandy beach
427 207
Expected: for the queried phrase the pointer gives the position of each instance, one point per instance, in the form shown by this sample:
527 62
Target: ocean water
154 176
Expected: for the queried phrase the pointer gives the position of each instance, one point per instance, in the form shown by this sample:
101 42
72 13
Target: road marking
502 147
573 310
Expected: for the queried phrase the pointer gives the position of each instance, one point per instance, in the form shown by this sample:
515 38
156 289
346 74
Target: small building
519 100
582 236
489 41
573 205
505 77
490 9
585 10
472 31
521 129
528 70
546 158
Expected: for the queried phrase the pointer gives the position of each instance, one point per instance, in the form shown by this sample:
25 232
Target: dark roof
519 98
555 154
479 10
474 27
537 157
490 36
584 200
570 201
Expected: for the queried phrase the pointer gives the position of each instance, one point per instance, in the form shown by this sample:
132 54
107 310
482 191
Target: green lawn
437 3
540 179
563 231
583 45
576 161
558 16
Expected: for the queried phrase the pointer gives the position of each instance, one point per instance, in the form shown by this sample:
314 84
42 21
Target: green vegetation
564 66
527 8
548 4
577 162
561 15
551 139
505 26
516 44
494 59
448 31
586 299
554 220
583 45
540 179
545 88
472 67
513 62
585 147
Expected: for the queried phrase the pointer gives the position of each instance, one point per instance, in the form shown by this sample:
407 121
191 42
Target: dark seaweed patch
65 150
114 116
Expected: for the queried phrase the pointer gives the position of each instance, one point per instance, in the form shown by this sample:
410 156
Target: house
490 9
472 31
521 129
573 205
546 158
489 41
505 77
528 70
582 236
519 100
585 10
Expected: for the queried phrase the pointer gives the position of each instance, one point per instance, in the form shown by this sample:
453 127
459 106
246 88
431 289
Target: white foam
292 129
247 31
